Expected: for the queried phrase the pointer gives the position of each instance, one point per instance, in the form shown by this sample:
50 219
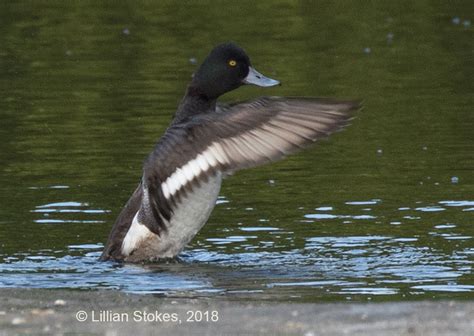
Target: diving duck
207 141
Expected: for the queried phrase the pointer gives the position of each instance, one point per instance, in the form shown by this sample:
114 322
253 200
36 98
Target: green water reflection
88 87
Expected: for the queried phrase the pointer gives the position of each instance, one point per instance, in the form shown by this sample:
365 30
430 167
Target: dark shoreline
43 311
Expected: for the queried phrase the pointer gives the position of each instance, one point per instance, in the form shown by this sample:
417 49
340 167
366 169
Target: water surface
382 211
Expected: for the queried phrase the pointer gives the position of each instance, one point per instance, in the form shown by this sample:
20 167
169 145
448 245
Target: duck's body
183 225
182 176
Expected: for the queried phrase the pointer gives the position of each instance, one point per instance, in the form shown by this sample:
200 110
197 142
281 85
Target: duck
208 141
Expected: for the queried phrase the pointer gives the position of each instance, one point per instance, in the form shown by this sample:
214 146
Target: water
382 211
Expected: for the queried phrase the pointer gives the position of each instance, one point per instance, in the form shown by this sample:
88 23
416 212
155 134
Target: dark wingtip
351 104
357 104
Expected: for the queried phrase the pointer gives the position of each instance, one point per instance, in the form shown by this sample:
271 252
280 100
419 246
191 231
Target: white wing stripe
202 163
166 190
181 177
172 183
279 135
191 170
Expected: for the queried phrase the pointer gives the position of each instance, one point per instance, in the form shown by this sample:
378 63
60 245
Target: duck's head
225 69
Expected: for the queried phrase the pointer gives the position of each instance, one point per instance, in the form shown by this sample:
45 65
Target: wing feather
238 136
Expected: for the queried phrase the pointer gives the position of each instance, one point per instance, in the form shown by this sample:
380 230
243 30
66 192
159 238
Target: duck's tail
113 247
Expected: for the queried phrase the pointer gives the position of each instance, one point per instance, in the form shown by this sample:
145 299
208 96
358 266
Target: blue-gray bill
256 78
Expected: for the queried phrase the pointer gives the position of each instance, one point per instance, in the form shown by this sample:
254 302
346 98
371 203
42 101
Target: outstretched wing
240 135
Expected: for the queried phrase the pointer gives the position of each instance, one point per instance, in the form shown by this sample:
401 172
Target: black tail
113 247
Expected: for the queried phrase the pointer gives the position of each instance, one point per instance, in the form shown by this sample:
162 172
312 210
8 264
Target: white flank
135 235
185 222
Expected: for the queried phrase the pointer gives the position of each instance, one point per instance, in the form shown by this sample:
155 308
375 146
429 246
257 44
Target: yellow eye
232 63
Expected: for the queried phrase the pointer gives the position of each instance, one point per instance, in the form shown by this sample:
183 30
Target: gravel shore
41 311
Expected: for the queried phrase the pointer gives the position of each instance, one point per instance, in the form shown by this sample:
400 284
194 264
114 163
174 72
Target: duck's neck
193 103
